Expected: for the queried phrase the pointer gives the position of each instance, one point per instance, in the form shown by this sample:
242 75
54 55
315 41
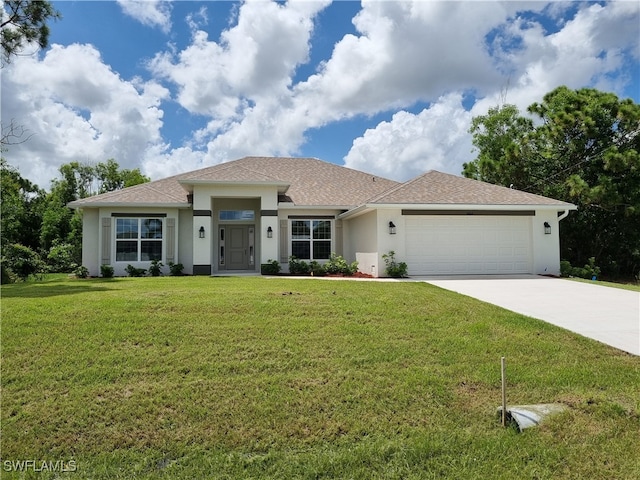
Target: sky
386 87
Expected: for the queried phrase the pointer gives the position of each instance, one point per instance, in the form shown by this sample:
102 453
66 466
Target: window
236 215
311 239
138 239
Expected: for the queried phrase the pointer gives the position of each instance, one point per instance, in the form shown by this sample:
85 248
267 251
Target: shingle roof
433 188
160 192
312 182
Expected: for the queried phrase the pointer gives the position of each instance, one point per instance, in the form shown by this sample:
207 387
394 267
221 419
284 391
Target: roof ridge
400 185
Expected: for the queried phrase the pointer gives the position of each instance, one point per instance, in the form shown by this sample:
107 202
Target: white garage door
469 244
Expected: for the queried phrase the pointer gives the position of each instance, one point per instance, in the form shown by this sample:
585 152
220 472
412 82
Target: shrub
565 268
135 272
61 258
272 267
298 267
81 271
22 261
106 271
590 270
175 269
6 274
155 269
338 265
317 269
394 269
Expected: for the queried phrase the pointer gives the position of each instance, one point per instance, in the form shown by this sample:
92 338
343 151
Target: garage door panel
442 245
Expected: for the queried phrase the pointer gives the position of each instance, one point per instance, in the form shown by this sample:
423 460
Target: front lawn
197 377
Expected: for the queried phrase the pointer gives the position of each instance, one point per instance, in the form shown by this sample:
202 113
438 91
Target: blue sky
385 87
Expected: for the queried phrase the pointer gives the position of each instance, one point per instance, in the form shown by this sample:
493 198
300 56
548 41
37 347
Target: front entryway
237 247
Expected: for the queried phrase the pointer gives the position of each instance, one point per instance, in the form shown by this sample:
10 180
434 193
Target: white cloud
152 13
254 59
77 109
582 53
408 145
242 84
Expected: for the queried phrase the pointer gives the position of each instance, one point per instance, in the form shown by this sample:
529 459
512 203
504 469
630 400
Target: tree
496 136
21 208
584 149
62 225
110 177
23 22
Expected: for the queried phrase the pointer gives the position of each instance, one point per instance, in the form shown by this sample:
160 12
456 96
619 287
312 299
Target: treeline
39 232
579 146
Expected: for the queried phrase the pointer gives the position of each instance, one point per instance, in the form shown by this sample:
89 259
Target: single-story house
235 216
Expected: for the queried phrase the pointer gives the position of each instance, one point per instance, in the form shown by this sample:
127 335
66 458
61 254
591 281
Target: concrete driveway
609 315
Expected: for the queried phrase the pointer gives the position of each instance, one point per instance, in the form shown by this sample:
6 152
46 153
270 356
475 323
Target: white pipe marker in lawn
504 394
525 416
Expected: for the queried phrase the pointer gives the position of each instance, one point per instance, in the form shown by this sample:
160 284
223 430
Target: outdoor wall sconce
392 228
269 232
547 228
201 232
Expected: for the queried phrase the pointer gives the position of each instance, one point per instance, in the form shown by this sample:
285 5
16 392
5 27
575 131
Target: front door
237 252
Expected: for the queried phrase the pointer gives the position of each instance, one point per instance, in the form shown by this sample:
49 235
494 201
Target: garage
479 243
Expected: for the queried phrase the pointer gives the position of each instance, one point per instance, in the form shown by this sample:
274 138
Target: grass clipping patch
195 377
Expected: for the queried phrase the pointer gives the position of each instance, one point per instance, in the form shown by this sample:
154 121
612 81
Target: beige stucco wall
90 244
184 228
119 267
367 238
283 245
214 198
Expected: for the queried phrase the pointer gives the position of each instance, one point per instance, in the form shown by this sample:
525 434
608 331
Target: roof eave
293 206
79 205
359 210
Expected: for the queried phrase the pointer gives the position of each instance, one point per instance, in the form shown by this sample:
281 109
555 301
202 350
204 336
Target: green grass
624 286
198 377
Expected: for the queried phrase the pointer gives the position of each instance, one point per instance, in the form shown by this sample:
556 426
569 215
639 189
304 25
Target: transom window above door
236 215
311 239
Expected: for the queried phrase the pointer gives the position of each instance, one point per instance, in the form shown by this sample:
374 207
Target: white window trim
138 240
332 223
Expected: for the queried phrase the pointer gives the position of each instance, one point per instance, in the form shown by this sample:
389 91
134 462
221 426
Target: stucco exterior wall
90 243
208 200
546 248
283 244
361 242
185 240
100 249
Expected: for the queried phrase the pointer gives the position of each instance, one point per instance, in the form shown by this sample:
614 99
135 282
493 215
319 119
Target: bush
175 269
106 271
272 267
338 265
565 268
155 269
22 261
317 270
298 267
394 269
590 270
5 273
81 271
61 258
135 272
